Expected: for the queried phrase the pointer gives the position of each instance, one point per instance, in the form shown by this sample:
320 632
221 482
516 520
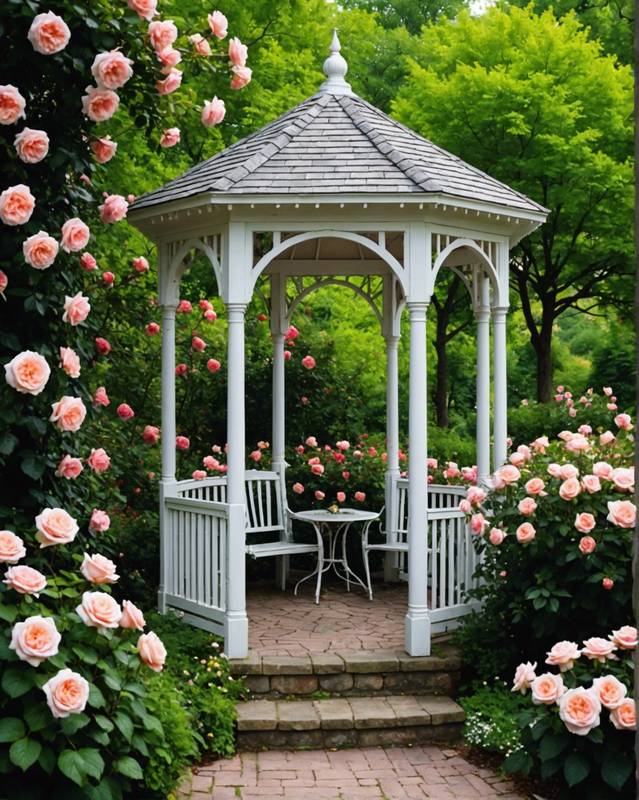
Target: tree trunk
543 349
441 381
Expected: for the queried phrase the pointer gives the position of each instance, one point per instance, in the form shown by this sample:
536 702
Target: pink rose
102 346
341 497
145 9
319 495
624 479
298 488
162 34
475 495
567 471
35 639
610 691
16 205
238 52
132 617
100 398
241 77
317 469
12 105
496 536
527 506
12 548
27 373
508 474
540 444
172 82
170 137
68 413
569 489
151 434
152 651
584 522
255 456
210 463
611 406
607 437
99 610
98 104
25 580
563 655
625 638
311 441
211 316
88 262
608 583
182 442
624 716
578 444
169 58
200 45
4 282
124 411
70 362
48 33
40 250
602 470
587 545
198 475
113 209
75 235
554 470
524 676
478 523
591 483
622 513
67 693
99 521
98 569
546 689
213 112
69 468
580 709
535 487
464 506
184 307
104 149
624 421
198 344
218 24
108 279
152 328
111 70
308 362
31 145
213 365
99 461
517 459
598 649
607 390
525 533
584 430
360 496
55 526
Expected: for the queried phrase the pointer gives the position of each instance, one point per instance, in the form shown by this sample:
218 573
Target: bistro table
334 525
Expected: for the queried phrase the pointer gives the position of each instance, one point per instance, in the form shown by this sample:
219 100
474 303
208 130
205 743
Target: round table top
342 516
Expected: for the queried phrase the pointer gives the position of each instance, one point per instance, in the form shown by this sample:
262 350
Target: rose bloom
104 149
508 474
4 282
213 365
213 112
151 434
102 346
311 441
27 373
610 691
152 651
145 9
88 262
124 411
218 24
624 717
55 526
517 459
607 437
12 104
113 209
624 421
98 569
35 639
525 533
535 487
16 205
99 521
585 522
48 33
108 279
308 362
567 471
478 524
210 463
172 82
99 461
99 610
563 655
69 467
255 456
40 250
198 475
587 545
591 483
182 442
198 344
152 328
602 470
496 536
623 478
569 489
527 506
607 584
298 488
360 496
184 307
598 649
319 495
625 638
75 235
238 52
578 444
132 617
580 709
464 506
67 693
170 137
554 470
162 34
111 70
31 145
317 469
540 444
68 413
584 430
241 77
340 497
100 398
211 316
12 548
546 689
200 45
25 580
622 513
70 362
98 104
524 676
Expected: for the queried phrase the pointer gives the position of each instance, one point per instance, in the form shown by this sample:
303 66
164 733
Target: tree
532 116
409 14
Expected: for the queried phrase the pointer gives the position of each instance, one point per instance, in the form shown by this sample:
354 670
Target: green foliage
491 724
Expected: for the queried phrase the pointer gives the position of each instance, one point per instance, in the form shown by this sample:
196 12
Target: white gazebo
338 192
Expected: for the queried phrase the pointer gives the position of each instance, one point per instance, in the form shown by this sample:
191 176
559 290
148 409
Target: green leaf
96 698
73 723
101 737
70 764
129 767
8 443
616 769
24 753
8 613
47 759
33 466
552 744
93 762
104 722
84 653
576 769
103 791
11 729
16 681
37 717
152 724
113 682
519 761
125 725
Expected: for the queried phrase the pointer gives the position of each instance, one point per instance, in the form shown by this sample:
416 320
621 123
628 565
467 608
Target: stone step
350 673
347 722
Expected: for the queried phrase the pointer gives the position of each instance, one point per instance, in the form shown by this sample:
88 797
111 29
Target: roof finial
335 68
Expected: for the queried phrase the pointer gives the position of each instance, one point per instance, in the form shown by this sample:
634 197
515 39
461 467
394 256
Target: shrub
491 718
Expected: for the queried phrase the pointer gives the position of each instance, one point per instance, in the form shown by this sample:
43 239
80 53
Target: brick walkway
392 773
282 624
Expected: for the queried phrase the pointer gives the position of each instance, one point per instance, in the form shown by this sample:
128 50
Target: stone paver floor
372 773
282 624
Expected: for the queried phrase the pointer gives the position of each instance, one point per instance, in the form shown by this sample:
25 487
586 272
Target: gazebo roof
336 143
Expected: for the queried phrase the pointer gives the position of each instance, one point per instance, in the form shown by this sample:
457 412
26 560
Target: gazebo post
391 336
482 317
278 330
500 424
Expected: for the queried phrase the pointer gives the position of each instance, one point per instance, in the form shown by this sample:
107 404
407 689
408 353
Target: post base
236 636
417 632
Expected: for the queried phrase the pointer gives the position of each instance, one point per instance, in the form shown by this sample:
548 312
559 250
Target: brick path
391 773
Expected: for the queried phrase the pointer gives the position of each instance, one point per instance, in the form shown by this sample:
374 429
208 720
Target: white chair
395 535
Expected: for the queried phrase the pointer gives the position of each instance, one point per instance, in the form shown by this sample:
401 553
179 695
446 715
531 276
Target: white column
500 425
392 445
417 622
236 627
278 325
482 317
